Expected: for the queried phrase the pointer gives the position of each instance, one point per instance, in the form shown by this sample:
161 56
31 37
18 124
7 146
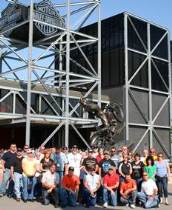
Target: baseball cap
90 150
71 168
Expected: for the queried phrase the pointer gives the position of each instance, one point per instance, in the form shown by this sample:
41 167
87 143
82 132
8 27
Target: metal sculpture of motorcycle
111 117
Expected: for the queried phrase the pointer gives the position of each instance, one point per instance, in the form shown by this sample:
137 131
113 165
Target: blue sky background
157 11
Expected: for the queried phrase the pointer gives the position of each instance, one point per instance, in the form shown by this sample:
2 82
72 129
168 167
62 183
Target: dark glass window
160 80
134 62
137 31
162 49
155 35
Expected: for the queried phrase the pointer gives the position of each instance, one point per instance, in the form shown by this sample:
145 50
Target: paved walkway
11 204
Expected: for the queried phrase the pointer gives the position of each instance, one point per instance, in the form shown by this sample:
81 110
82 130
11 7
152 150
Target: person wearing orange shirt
70 187
128 191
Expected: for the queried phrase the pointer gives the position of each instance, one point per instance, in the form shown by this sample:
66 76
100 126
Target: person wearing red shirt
128 191
110 185
70 186
100 155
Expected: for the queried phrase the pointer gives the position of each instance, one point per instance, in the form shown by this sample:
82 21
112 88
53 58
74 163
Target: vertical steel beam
99 54
14 102
1 61
126 78
67 75
170 91
29 75
149 87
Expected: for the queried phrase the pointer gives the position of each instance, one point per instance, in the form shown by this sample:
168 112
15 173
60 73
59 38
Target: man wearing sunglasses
148 195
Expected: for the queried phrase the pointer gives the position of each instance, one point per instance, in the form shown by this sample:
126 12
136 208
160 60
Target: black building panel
146 90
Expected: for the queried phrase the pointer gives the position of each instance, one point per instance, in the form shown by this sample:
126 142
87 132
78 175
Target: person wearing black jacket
16 171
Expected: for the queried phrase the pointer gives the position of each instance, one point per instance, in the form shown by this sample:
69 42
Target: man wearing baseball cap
110 186
105 164
69 189
29 166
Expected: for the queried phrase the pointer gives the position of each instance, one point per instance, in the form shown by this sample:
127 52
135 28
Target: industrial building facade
136 72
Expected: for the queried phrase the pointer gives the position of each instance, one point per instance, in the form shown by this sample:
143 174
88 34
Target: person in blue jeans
61 162
162 173
28 188
128 191
16 170
110 185
7 158
148 195
69 190
91 183
29 167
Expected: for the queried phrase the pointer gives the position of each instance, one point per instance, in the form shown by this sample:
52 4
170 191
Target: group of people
69 176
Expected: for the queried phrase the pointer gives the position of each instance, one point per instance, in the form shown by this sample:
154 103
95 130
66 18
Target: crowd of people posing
68 177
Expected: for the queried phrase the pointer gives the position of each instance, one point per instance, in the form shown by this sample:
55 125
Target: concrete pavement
11 204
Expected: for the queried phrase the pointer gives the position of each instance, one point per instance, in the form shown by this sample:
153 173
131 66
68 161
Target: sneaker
132 206
105 205
161 200
166 202
127 205
18 199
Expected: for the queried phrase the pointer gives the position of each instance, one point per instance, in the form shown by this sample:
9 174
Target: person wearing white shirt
92 182
74 160
50 182
148 195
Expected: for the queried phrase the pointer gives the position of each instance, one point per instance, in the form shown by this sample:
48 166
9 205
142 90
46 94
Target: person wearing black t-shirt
137 166
7 158
124 168
105 164
16 170
89 162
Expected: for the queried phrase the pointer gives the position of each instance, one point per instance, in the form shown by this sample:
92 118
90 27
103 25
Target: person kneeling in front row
110 186
69 189
148 195
128 191
50 182
91 185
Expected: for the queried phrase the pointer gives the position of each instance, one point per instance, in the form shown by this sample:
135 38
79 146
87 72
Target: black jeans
162 184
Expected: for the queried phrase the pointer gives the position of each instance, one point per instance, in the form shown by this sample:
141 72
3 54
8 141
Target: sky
156 11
